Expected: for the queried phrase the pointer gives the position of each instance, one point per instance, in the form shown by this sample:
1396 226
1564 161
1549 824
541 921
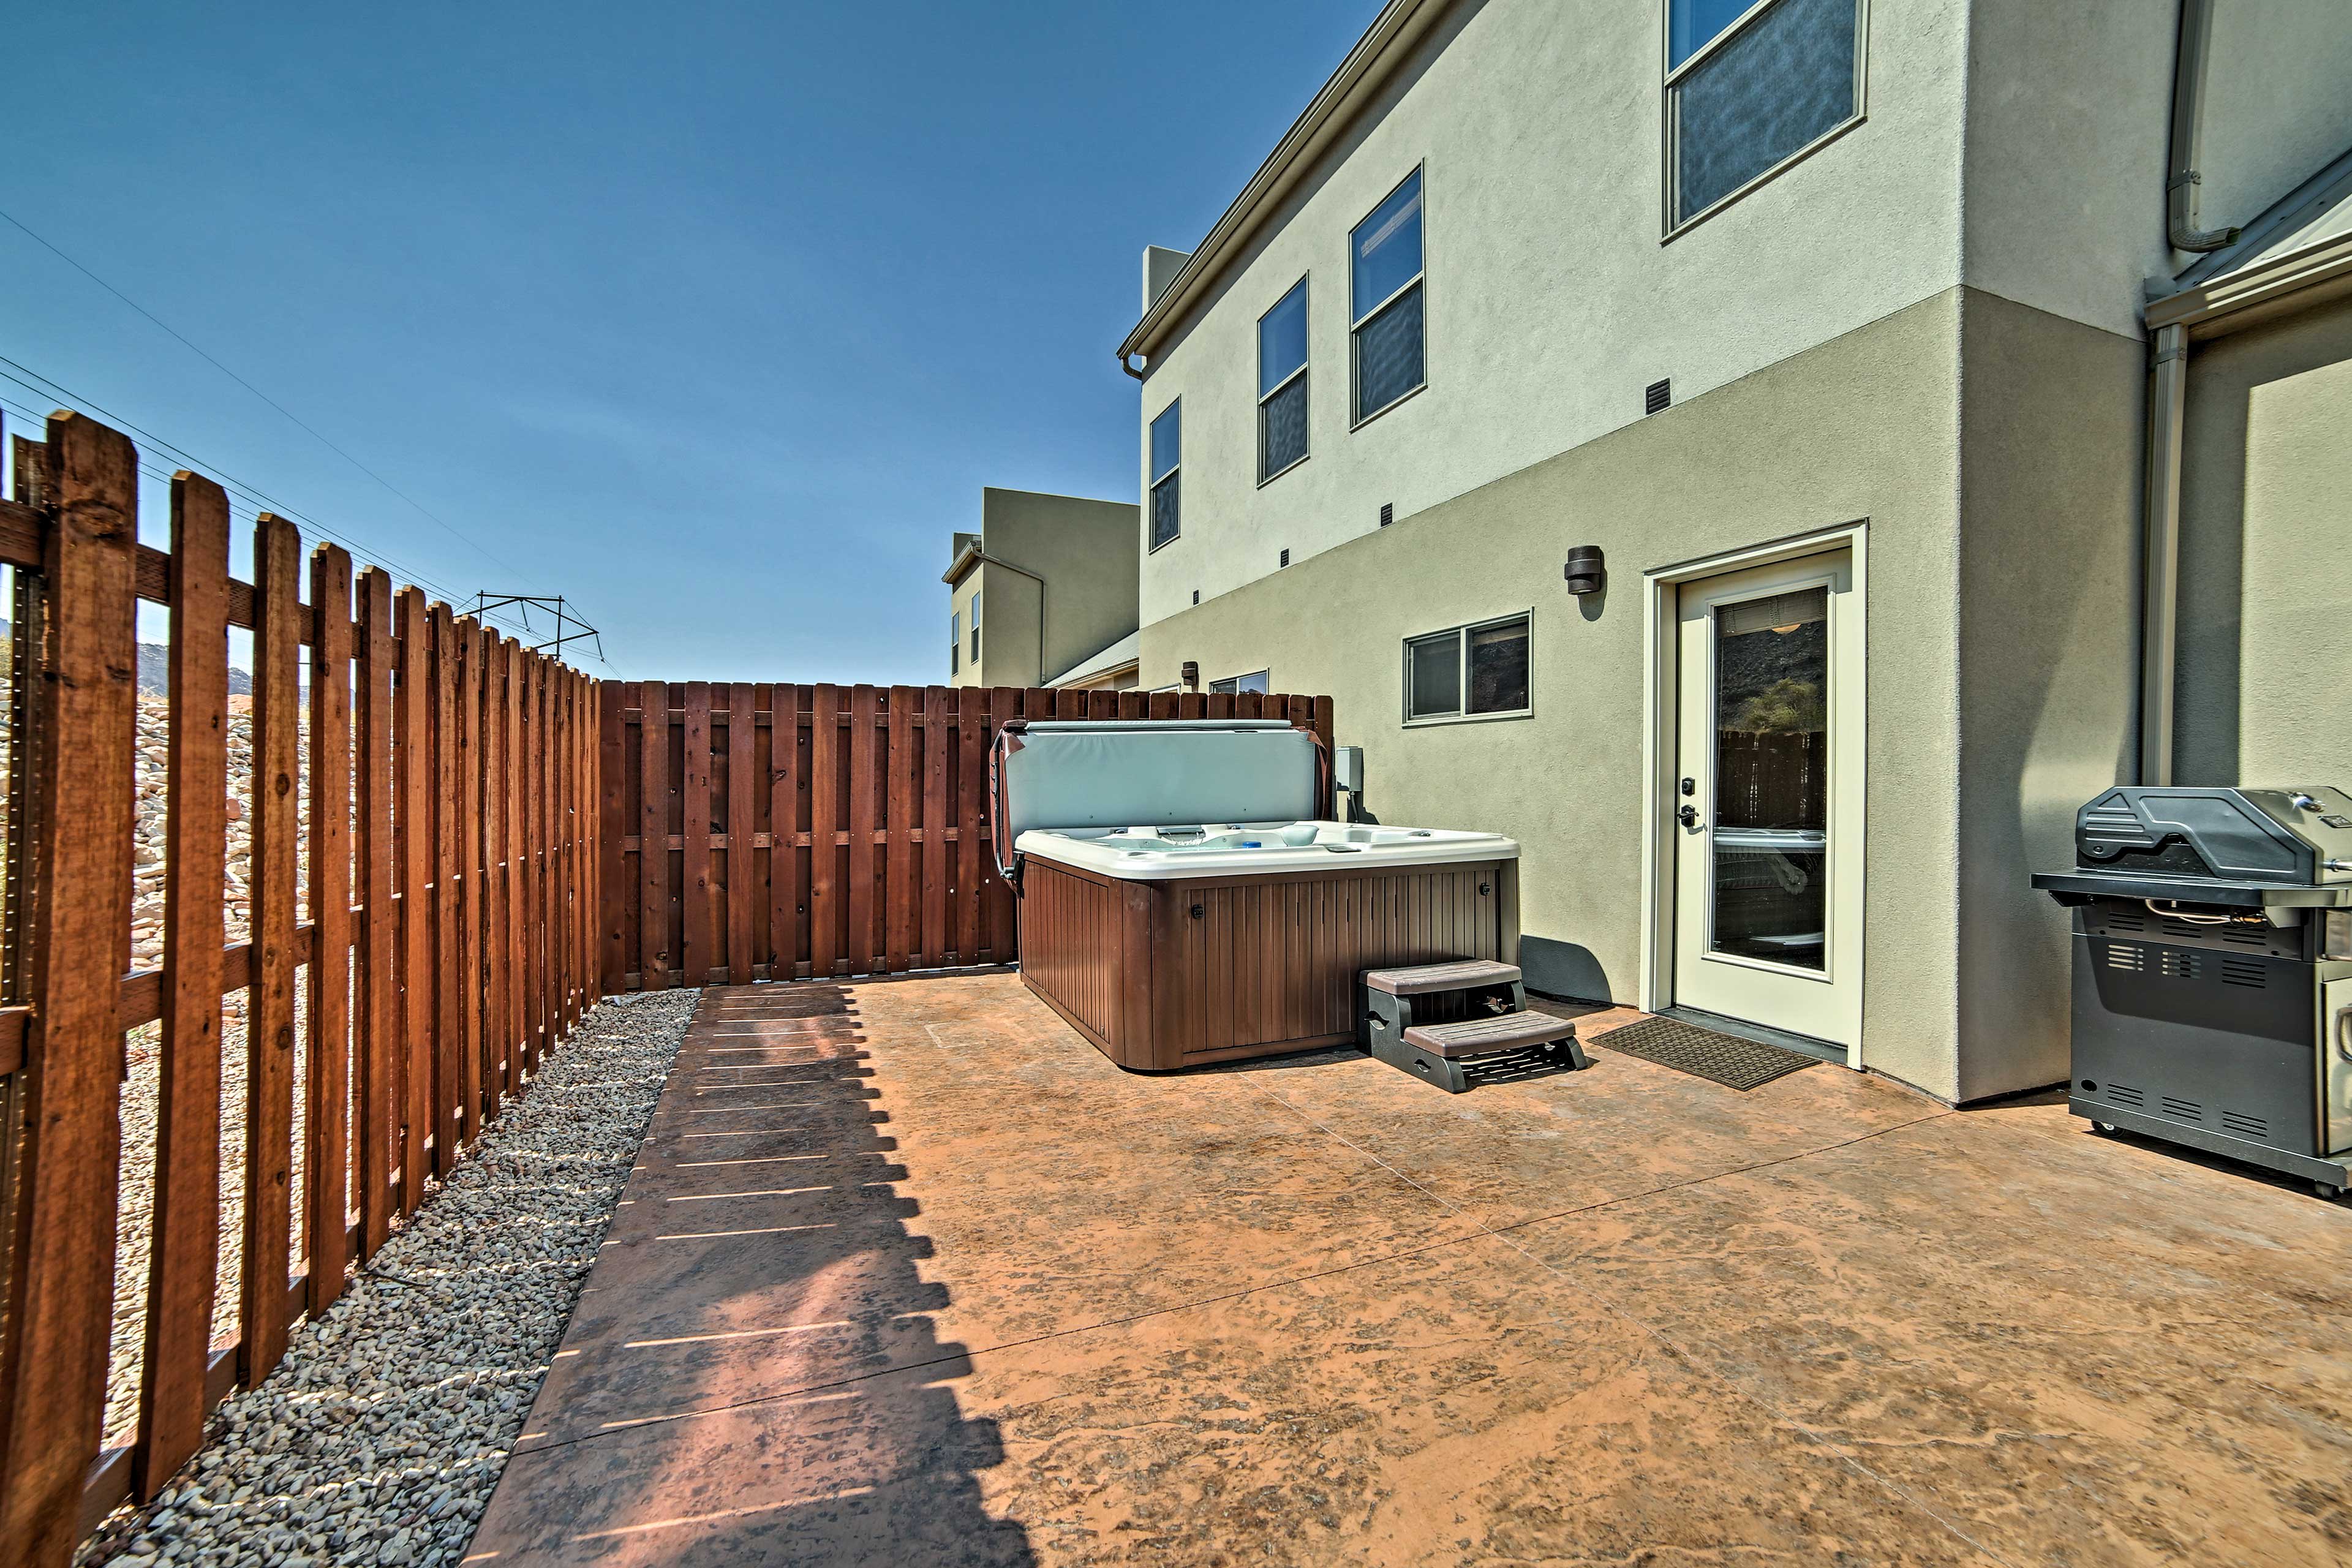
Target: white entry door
1765 809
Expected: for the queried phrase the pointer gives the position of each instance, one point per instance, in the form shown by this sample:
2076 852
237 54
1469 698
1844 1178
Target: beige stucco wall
2278 103
2266 576
1976 760
2051 430
1551 302
1084 549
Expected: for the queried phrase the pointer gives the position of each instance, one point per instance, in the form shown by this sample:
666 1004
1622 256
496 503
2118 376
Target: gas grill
2213 971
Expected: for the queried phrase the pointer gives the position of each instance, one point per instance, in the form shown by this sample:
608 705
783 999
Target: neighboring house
1822 322
1043 592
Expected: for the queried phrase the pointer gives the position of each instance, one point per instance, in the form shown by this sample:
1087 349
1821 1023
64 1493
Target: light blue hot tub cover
1143 772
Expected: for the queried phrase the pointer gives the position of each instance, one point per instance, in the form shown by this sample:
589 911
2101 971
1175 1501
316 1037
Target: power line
420 507
254 499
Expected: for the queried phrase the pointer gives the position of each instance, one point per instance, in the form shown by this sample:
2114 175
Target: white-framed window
1387 321
1474 671
955 641
1255 681
1167 457
1282 385
975 627
1752 86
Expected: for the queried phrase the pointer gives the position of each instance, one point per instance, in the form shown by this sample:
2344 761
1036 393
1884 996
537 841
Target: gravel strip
379 1438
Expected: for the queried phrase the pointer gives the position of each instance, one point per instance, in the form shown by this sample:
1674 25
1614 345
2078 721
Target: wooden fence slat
54 1352
902 892
472 884
652 857
269 1005
971 795
612 893
742 813
694 884
326 1132
515 779
547 913
413 856
376 1102
787 780
937 744
183 1257
497 949
864 742
999 921
824 815
448 858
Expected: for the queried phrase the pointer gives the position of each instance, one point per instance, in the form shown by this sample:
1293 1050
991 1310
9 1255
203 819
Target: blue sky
716 319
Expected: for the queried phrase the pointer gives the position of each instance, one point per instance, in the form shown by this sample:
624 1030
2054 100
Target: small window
1282 385
1167 452
1750 86
975 628
1255 681
955 642
1477 672
1385 315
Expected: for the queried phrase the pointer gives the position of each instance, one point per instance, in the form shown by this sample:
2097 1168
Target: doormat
1726 1059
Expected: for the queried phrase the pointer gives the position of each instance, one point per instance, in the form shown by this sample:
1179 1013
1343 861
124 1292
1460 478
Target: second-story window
975 627
1386 320
1166 454
955 641
1751 88
1282 385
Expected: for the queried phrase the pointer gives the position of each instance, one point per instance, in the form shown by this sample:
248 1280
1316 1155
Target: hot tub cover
1146 772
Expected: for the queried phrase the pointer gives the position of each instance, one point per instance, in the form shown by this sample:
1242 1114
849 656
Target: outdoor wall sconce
1584 571
1191 675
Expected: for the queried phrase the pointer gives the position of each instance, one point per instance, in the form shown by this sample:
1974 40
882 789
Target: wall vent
1285 558
1656 397
1388 513
1196 596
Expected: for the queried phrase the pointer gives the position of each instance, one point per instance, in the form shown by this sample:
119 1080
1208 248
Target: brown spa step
1458 975
1479 1037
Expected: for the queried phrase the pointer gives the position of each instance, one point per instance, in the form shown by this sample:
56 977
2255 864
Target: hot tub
1170 939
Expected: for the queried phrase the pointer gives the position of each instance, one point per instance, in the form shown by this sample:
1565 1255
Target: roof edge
1399 25
2257 291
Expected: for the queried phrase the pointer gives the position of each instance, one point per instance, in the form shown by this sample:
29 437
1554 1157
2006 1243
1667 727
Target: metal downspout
2160 573
2188 113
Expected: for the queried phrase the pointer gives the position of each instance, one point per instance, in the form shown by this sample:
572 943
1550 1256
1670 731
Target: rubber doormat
1726 1059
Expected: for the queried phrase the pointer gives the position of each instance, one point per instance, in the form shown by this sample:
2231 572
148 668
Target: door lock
1688 816
1690 786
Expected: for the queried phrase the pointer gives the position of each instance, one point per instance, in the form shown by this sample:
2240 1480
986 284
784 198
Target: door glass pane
1771 838
1435 666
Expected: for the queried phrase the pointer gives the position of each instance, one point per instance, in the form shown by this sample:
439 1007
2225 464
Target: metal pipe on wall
2181 178
2168 399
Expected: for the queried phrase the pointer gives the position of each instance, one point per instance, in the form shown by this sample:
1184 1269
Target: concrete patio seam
1707 1373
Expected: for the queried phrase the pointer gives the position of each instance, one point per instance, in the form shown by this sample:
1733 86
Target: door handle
1688 816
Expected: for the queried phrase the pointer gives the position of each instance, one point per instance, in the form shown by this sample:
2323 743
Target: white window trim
1152 490
975 627
955 642
1419 280
1233 682
1460 635
1307 296
1672 74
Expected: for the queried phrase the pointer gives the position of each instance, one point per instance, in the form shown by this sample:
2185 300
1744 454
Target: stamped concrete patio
910 1273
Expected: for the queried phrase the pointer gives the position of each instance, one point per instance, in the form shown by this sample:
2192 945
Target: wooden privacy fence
451 886
754 831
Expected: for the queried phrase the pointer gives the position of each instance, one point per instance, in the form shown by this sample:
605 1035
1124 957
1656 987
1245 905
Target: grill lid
1150 772
2212 844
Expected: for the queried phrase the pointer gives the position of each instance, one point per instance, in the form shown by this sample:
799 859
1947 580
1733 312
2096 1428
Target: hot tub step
1428 979
1484 1036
